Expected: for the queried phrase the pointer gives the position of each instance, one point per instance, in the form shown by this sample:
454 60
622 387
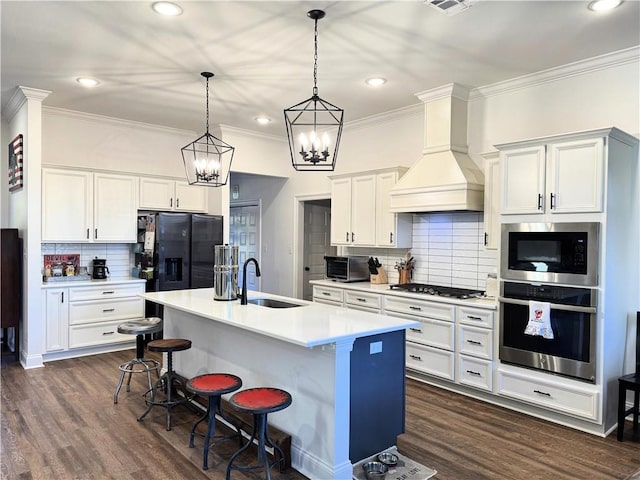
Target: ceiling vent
449 7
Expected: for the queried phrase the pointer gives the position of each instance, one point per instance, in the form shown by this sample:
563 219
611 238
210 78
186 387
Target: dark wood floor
59 422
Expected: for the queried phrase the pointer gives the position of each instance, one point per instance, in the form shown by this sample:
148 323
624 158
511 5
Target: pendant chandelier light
207 161
314 126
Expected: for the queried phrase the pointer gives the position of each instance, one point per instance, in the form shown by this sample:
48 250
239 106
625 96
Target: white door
67 205
523 176
363 210
341 214
116 204
244 231
190 198
317 233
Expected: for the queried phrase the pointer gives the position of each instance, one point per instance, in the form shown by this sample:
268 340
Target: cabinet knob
539 201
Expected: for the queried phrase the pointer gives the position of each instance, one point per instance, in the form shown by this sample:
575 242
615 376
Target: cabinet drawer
327 293
439 311
475 341
433 361
362 308
100 292
96 334
563 397
327 302
475 372
434 333
475 316
363 299
93 311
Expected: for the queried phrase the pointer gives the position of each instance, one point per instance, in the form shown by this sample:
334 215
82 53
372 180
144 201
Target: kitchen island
343 368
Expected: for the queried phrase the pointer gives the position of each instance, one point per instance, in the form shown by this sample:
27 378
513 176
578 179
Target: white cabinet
475 347
170 195
492 200
553 177
56 314
89 315
360 211
67 205
430 347
393 230
565 396
328 295
80 206
368 302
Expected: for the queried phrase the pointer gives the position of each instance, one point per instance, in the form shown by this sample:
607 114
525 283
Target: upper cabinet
492 200
171 196
360 213
81 206
553 177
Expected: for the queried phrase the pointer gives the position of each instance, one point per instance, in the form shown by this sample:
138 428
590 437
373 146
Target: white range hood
445 178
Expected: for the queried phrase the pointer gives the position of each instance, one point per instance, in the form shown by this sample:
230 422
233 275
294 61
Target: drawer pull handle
108 333
106 293
473 342
361 299
546 394
413 307
415 357
108 309
415 329
327 294
473 317
471 372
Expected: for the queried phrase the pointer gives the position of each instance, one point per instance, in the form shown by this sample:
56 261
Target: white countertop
91 282
310 325
482 302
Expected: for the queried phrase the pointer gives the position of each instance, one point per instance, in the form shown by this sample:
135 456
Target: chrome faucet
243 295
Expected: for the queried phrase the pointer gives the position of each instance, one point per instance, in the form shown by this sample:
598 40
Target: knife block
380 278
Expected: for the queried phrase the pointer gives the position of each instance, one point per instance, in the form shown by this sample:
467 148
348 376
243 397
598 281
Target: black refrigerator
183 251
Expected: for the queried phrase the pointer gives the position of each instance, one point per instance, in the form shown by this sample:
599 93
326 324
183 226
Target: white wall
91 141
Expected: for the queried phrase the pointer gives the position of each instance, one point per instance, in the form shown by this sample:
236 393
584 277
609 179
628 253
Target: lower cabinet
88 316
563 396
328 295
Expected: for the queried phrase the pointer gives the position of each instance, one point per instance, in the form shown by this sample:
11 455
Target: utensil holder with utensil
405 276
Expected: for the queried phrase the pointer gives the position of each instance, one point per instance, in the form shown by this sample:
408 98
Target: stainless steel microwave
550 252
352 268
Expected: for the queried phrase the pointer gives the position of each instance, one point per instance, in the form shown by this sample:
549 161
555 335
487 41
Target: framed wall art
15 163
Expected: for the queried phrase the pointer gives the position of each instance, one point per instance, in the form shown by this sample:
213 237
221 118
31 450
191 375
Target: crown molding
450 90
250 133
386 117
582 67
102 119
20 96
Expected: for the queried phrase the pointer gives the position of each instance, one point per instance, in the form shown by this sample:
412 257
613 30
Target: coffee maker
100 269
225 272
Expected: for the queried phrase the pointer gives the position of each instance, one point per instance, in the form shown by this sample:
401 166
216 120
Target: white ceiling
261 53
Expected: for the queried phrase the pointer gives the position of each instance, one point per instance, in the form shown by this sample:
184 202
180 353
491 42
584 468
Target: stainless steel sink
271 303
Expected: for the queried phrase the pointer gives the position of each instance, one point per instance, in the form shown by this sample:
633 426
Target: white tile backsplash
118 255
448 250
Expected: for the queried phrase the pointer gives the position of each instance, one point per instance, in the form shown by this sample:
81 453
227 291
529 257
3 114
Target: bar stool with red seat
213 385
259 402
168 378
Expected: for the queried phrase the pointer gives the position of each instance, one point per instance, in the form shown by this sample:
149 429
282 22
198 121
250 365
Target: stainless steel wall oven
573 320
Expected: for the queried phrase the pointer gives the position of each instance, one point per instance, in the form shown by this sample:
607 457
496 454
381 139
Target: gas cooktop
437 290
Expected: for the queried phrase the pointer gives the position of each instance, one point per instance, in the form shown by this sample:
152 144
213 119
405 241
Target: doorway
316 235
244 231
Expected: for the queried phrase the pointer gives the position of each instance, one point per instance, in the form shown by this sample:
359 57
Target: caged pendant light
207 161
313 124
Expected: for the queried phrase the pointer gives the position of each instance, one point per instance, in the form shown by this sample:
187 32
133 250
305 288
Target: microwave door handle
554 306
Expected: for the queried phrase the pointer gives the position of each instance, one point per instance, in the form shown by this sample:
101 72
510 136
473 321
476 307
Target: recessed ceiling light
88 82
602 5
376 81
262 120
166 8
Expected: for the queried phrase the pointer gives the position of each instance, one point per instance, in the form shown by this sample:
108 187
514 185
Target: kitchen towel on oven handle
539 323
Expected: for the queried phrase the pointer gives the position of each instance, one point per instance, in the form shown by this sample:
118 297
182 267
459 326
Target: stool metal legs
259 432
213 407
137 365
167 379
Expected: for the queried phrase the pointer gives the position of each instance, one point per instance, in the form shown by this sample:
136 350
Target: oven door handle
554 306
